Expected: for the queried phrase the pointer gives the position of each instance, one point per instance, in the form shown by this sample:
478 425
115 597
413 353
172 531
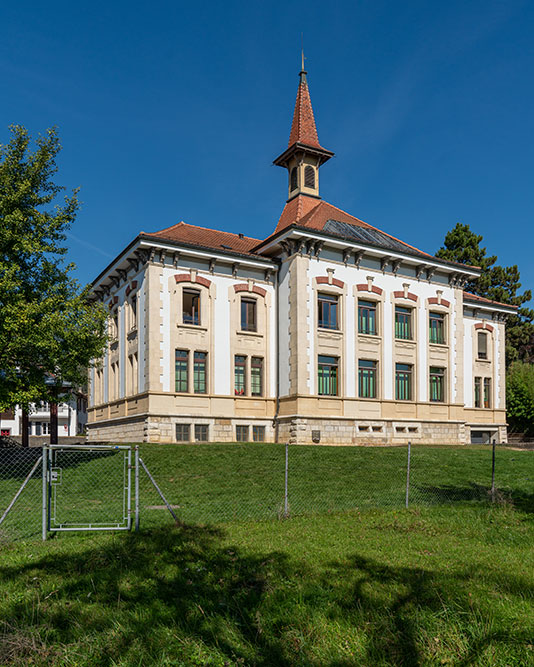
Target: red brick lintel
363 287
400 295
186 278
443 302
323 280
483 325
243 287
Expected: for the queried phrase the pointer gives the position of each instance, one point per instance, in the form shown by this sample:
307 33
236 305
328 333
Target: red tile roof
206 238
475 297
303 129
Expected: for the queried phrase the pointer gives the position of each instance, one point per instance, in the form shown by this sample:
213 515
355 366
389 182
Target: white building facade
329 331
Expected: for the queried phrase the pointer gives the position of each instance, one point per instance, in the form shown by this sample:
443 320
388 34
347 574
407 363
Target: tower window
309 177
293 179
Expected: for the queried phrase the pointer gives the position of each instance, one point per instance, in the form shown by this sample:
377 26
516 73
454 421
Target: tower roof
303 128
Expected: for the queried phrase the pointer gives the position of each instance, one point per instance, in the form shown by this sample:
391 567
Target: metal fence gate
88 488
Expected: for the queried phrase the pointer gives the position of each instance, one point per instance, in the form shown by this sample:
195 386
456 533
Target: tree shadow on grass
162 596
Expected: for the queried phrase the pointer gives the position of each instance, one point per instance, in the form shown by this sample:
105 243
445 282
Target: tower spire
304 154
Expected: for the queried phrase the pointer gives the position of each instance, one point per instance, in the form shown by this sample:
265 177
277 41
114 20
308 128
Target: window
403 323
258 434
437 328
328 375
115 325
199 372
241 433
367 377
482 340
309 177
327 309
366 317
190 306
487 392
256 376
132 374
181 371
293 179
201 433
403 382
437 384
240 365
248 314
478 392
114 384
182 432
133 312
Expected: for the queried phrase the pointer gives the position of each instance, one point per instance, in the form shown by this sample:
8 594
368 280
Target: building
328 331
72 419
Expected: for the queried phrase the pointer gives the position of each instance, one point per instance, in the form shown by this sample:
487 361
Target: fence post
286 505
44 464
493 472
408 473
136 488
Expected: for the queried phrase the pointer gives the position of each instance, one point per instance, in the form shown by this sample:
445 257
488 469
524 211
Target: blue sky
172 111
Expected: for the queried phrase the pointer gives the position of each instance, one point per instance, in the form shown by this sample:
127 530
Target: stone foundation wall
124 431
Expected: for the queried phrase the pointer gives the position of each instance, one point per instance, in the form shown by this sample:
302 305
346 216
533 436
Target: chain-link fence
101 488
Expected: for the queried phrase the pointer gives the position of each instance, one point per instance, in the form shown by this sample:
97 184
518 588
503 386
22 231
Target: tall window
190 306
256 376
487 392
132 370
115 324
309 177
366 317
240 366
181 371
482 340
437 384
478 392
403 382
248 314
133 312
328 376
327 306
367 377
293 179
437 328
403 323
199 372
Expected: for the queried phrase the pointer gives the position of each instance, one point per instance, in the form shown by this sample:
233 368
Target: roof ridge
209 229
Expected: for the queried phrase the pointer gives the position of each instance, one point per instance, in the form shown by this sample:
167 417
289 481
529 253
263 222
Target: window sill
369 336
254 334
441 346
483 361
191 327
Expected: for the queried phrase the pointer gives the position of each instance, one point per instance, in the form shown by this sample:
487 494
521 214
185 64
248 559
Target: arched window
293 179
309 177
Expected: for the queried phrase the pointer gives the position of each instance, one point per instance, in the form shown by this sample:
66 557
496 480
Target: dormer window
309 177
293 179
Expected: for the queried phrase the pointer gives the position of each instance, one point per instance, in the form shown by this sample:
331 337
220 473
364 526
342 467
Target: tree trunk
25 426
53 423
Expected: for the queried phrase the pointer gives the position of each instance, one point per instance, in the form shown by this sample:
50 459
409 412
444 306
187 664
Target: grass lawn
436 586
338 584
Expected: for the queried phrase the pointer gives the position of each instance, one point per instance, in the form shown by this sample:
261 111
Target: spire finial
302 72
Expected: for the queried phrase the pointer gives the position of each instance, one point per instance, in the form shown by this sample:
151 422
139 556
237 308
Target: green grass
435 586
448 582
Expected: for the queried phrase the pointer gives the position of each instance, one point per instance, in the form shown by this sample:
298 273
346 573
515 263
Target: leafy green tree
48 327
520 397
496 283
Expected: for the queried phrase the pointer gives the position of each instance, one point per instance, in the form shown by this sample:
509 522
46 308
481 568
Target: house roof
206 238
475 298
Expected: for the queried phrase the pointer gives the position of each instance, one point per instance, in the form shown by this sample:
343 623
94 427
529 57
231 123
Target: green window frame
240 369
367 317
403 323
181 364
437 384
367 378
478 392
327 306
200 372
487 392
436 323
256 376
327 375
403 382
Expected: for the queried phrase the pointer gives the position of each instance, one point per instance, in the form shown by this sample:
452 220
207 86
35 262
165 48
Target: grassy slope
431 586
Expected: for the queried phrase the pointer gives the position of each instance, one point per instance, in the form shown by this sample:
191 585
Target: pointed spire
303 128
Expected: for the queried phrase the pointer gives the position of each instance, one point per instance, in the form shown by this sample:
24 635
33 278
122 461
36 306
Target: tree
520 397
496 283
48 327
